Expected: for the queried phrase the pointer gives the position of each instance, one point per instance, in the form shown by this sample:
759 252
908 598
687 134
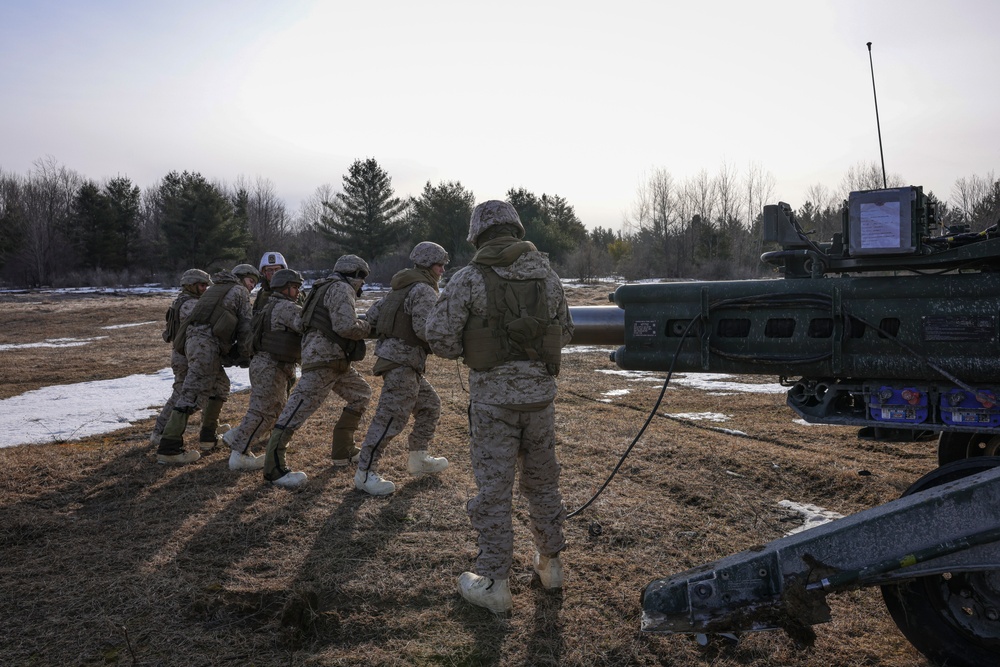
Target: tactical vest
263 296
173 316
395 322
517 325
210 310
284 345
316 317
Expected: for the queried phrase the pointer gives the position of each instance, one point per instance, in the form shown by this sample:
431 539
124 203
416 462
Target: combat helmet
272 259
241 271
493 213
284 277
195 277
352 265
428 253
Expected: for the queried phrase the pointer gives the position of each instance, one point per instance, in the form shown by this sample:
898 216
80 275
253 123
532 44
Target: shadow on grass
545 646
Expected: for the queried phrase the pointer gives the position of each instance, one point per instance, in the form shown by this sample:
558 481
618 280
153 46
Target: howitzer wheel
953 619
955 446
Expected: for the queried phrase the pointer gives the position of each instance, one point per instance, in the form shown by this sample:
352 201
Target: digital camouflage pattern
178 363
317 349
405 390
417 304
270 380
324 366
514 382
505 439
493 213
428 253
206 376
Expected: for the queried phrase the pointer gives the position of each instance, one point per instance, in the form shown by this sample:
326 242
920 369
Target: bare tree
266 218
640 213
759 186
868 176
312 209
46 208
968 194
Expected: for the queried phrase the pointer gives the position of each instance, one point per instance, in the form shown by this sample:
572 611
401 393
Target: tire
954 446
933 612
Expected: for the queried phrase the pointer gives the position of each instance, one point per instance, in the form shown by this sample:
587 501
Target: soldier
219 323
506 314
334 337
399 319
277 342
194 282
270 263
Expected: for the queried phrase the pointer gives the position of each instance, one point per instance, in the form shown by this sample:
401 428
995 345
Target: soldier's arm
371 317
447 319
289 315
343 314
419 303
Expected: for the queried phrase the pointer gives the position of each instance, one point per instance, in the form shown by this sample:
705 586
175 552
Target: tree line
59 228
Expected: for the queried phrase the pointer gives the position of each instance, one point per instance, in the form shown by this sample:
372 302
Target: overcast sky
570 98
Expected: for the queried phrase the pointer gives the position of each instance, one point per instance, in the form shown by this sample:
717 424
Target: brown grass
108 558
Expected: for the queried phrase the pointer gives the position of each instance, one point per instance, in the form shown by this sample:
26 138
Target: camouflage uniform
178 364
206 378
511 417
325 368
270 380
223 311
405 390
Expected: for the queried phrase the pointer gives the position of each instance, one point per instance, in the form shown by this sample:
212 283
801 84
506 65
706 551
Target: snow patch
52 342
126 326
73 411
812 515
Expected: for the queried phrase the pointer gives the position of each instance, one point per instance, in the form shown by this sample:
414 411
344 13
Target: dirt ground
108 558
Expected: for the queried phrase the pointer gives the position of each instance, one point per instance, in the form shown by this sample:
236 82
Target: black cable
638 435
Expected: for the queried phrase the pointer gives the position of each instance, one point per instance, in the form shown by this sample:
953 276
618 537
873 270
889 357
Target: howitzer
886 327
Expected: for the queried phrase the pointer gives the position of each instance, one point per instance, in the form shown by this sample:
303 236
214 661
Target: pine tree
441 214
366 219
198 223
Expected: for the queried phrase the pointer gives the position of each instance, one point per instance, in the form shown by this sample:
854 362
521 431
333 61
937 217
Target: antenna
877 124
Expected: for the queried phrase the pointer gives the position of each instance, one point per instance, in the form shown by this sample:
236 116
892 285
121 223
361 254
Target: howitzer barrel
598 325
887 327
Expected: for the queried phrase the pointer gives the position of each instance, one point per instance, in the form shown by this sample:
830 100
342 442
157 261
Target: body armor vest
173 316
210 311
517 325
262 298
395 322
284 345
316 317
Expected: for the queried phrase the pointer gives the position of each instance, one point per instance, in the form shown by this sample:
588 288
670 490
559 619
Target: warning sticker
959 328
644 328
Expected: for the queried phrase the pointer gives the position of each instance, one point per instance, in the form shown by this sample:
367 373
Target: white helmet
272 259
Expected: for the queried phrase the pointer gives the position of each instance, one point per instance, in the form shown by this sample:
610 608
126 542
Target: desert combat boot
241 460
372 483
549 570
421 463
494 594
171 448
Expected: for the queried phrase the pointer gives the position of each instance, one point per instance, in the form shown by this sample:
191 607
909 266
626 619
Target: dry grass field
107 558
